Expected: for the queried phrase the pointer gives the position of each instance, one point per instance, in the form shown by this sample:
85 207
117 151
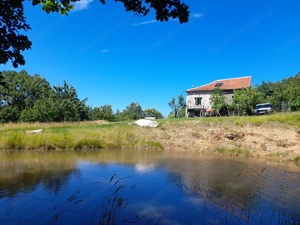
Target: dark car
264 108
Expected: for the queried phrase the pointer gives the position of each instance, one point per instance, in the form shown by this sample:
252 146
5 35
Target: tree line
283 95
25 98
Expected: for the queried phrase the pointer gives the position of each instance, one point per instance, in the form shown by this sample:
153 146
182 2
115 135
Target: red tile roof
226 84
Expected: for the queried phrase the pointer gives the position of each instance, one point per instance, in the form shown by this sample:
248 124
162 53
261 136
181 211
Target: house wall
205 99
205 102
228 96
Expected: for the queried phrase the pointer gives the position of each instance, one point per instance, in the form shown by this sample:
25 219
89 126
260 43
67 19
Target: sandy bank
269 140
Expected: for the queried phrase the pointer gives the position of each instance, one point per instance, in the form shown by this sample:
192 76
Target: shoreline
265 141
272 137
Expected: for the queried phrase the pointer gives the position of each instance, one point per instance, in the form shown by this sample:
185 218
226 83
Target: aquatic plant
233 151
114 202
109 211
297 159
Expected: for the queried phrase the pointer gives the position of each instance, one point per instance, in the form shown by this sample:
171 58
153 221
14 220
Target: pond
145 187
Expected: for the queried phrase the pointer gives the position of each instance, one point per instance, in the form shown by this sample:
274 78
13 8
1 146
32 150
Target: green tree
121 116
13 23
21 91
180 114
44 110
267 90
69 105
244 100
288 90
295 104
62 104
95 114
218 102
133 111
104 112
2 83
176 107
285 91
9 113
151 112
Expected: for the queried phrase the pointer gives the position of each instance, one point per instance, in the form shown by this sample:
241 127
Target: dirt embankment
269 140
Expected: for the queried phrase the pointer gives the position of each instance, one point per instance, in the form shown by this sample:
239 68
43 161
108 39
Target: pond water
144 187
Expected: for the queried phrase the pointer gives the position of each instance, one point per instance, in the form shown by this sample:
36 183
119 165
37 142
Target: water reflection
242 189
25 182
74 187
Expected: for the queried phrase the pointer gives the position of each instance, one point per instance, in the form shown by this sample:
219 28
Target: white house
198 98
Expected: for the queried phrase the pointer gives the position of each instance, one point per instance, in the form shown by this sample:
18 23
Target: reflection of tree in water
26 171
28 181
245 191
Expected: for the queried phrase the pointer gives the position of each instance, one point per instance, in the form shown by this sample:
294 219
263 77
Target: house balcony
195 107
196 111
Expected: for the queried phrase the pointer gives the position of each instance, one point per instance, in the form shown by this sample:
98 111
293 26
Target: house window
198 101
219 84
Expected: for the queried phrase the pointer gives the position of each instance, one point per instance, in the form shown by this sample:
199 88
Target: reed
297 159
114 202
233 151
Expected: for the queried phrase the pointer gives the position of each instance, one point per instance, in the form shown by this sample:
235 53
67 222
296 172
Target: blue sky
113 57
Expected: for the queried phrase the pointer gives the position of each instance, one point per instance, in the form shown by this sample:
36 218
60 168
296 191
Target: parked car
264 108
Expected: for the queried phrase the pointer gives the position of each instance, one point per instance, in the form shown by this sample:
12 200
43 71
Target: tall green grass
76 136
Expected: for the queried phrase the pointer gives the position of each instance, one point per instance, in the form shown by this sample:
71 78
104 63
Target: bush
295 105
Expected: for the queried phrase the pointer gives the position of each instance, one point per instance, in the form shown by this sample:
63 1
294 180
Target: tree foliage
104 112
30 98
180 114
177 106
164 9
218 102
151 112
133 111
217 98
13 23
295 104
21 91
244 100
285 91
61 105
2 82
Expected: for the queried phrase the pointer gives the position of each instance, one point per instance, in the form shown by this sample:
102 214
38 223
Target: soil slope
269 140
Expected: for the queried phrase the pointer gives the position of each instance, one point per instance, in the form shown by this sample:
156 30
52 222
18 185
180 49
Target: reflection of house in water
198 98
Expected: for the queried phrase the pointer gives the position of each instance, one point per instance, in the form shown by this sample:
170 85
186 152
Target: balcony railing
195 106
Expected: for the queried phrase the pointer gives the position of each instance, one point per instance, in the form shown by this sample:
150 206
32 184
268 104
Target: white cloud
82 4
197 15
104 51
144 23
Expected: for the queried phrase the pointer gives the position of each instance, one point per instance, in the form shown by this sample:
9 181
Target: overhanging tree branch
13 22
